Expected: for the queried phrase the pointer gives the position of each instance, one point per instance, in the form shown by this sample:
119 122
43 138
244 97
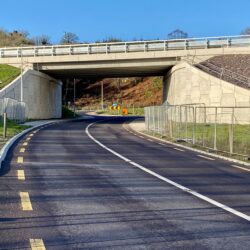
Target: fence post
186 124
159 118
4 124
215 129
231 133
170 123
194 124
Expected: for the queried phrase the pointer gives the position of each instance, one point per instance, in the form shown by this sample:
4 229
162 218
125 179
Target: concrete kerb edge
10 142
189 148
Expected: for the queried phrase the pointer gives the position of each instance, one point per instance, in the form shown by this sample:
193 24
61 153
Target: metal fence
225 129
126 47
15 110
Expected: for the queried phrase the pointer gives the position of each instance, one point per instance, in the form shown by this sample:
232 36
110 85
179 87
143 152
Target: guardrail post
4 125
165 45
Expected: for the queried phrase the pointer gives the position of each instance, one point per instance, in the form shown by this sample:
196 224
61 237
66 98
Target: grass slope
8 74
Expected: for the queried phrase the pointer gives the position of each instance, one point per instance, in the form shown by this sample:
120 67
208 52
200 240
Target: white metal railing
126 47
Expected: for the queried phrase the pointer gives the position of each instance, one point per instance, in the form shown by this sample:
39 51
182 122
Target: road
72 185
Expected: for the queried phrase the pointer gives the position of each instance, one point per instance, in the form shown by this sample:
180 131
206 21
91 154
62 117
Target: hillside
138 91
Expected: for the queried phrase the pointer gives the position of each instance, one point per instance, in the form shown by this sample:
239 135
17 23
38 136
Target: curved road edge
4 151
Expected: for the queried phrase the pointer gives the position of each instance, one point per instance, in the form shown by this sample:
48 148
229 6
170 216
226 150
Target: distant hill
15 38
137 91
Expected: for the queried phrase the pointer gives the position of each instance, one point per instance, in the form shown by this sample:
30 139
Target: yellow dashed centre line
25 144
20 175
19 159
25 201
22 150
37 244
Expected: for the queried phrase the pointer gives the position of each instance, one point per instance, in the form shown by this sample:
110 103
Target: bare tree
42 40
69 38
177 34
245 31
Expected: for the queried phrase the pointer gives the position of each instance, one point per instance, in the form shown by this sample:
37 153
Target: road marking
25 201
161 144
205 157
28 139
32 134
149 140
179 149
246 169
19 159
141 136
20 175
194 193
22 150
25 144
37 244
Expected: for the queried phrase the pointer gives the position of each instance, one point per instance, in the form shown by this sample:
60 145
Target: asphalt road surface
72 185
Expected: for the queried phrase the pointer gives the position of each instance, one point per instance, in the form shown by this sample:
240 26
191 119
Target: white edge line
205 157
179 149
235 166
194 193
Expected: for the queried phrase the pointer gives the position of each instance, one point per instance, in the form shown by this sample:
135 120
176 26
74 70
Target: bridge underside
106 69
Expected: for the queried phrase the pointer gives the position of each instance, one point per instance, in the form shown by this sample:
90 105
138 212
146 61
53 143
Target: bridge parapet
127 47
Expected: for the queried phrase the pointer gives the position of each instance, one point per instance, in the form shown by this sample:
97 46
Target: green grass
68 113
204 136
8 74
13 128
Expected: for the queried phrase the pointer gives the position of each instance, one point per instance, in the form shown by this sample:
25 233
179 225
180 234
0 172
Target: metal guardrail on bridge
126 47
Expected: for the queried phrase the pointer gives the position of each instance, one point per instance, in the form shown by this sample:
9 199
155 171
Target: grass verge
13 129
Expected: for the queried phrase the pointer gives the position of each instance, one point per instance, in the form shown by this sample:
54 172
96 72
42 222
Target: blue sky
94 20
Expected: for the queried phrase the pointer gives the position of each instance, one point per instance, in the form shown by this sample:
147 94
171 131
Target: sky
93 20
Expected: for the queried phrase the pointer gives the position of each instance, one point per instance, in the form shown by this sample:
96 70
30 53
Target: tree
41 40
245 31
177 34
109 40
69 38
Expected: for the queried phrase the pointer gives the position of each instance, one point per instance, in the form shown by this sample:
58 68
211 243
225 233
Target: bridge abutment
42 94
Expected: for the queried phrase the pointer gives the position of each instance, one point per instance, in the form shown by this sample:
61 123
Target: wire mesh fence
225 129
15 110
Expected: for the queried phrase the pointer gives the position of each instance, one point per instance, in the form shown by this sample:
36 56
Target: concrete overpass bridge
122 59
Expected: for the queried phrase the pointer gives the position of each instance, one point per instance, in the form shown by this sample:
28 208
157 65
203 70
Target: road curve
60 189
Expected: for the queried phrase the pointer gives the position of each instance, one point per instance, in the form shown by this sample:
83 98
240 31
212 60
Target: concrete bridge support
186 84
41 94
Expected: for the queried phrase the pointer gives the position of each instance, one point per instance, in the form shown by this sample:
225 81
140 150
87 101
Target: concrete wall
185 84
41 94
